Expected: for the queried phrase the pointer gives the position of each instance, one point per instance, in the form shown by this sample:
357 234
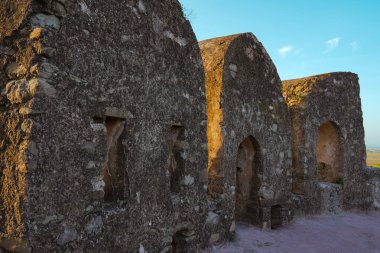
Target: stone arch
243 96
248 167
316 100
329 153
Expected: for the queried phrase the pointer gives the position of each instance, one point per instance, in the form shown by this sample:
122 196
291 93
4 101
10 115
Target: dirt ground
346 233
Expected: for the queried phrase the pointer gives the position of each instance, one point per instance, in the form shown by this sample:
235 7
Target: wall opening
329 154
114 171
176 162
180 241
248 167
276 216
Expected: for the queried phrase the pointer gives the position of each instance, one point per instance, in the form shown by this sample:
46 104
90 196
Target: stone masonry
102 127
120 133
373 181
328 141
248 130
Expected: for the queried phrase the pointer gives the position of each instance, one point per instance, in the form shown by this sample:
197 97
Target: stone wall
373 182
249 134
102 118
328 139
331 198
103 144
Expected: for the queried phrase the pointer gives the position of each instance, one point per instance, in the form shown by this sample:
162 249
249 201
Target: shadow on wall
114 173
180 241
276 216
248 167
175 160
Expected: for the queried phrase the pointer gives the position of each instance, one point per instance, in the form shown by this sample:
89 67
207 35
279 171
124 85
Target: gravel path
346 233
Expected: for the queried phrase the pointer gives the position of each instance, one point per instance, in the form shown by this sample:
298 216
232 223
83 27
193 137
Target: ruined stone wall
92 95
103 131
245 108
313 101
373 182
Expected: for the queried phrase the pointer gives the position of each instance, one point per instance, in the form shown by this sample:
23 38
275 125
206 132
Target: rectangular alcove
176 163
114 171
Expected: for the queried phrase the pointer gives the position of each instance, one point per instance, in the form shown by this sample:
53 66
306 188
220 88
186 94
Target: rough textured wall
331 198
313 101
244 105
15 125
373 181
12 14
91 93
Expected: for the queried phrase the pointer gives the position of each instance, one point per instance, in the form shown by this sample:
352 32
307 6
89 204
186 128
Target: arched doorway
248 166
329 154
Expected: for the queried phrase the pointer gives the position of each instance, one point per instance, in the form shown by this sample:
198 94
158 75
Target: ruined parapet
328 140
249 136
102 127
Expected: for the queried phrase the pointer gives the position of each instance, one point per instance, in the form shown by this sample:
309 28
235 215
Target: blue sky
306 38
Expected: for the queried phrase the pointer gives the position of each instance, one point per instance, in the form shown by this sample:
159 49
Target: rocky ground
345 233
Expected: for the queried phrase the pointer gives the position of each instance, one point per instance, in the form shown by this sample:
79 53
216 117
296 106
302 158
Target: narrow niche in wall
176 162
180 241
248 167
114 171
276 216
329 154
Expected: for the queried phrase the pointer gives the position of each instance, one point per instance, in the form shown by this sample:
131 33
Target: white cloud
284 51
354 46
332 44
